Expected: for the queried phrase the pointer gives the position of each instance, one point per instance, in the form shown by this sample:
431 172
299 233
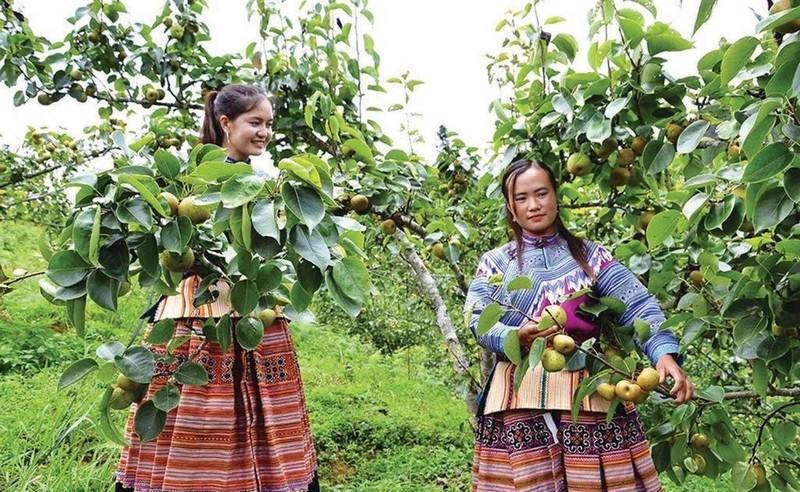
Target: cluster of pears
180 262
627 390
152 94
176 31
579 164
126 391
554 358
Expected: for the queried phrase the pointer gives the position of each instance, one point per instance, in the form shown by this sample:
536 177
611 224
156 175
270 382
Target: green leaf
309 276
657 156
103 290
736 58
147 252
241 189
768 162
778 19
511 347
109 351
244 296
310 246
269 277
617 105
149 421
742 477
135 211
82 232
489 317
783 434
148 188
773 206
537 349
136 363
760 377
167 397
780 84
94 239
299 298
77 371
352 278
167 164
791 183
162 331
176 235
661 227
666 42
567 44
520 283
360 150
67 268
76 313
755 129
107 428
703 14
690 137
713 393
249 332
192 373
303 202
263 218
224 335
350 306
247 228
215 171
519 374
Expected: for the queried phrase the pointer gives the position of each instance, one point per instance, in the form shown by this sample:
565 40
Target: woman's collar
231 160
540 241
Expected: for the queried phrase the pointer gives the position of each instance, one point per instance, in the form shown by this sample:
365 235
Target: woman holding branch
527 440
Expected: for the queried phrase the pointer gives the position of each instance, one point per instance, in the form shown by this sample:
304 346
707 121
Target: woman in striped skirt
527 440
247 430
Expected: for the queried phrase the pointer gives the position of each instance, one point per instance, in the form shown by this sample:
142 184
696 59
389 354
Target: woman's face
533 203
249 133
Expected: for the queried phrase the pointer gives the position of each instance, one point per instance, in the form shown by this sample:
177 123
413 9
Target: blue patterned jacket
554 274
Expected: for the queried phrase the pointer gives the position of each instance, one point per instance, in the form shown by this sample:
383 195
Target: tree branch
427 286
420 231
738 395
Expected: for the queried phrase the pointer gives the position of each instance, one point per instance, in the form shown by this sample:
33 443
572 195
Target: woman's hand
683 389
530 332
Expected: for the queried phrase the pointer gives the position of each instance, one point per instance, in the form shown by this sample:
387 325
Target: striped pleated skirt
545 451
246 430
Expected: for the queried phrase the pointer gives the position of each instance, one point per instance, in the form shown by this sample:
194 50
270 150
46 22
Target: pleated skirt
247 430
545 451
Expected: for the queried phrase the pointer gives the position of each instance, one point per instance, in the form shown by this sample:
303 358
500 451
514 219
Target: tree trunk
427 287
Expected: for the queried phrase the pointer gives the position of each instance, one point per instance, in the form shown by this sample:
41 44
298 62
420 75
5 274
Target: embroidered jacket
554 274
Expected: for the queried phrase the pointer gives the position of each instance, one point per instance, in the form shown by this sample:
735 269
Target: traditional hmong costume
247 430
527 440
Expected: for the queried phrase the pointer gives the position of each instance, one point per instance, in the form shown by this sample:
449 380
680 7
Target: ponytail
211 132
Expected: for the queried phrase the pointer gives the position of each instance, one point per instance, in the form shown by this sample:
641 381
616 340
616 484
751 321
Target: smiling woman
248 428
238 118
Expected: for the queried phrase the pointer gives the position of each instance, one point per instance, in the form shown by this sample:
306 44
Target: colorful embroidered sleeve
478 297
615 280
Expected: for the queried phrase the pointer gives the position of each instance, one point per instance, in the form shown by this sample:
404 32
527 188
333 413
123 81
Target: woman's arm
661 347
478 297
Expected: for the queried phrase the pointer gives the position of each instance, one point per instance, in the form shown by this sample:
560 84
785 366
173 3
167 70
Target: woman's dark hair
231 101
577 247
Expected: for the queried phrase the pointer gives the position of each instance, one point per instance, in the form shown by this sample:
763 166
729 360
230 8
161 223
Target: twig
764 425
20 278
